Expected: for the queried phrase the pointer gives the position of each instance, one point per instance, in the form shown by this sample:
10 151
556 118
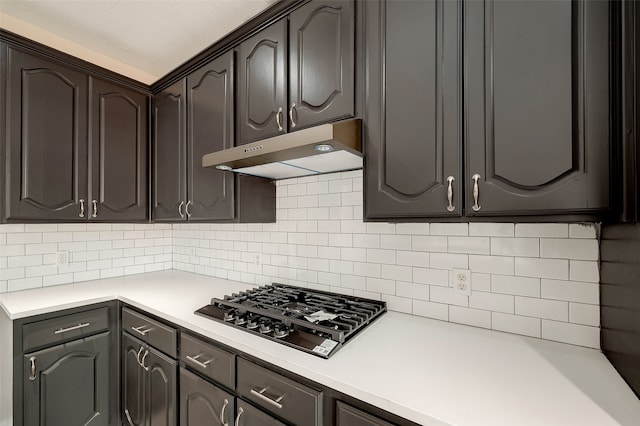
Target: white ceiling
142 39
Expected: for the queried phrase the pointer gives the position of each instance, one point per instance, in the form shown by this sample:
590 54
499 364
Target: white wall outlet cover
62 258
461 280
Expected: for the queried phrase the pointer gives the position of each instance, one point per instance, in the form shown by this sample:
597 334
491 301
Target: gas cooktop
317 322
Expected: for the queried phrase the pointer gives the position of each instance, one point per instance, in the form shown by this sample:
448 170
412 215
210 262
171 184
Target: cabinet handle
450 207
180 209
195 360
139 353
32 377
143 358
81 208
75 327
279 119
140 330
224 407
476 192
291 110
186 209
262 396
240 411
95 208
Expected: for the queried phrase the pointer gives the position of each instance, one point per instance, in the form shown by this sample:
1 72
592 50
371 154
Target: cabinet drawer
156 334
64 328
215 363
294 402
347 415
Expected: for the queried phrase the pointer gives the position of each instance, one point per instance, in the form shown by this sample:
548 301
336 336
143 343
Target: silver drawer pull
240 411
450 207
81 208
95 208
195 360
224 407
262 396
75 327
476 192
140 330
279 119
32 377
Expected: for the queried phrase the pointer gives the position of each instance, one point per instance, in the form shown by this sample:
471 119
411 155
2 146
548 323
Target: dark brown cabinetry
149 373
412 124
57 170
191 118
68 373
535 115
318 40
347 415
202 403
537 106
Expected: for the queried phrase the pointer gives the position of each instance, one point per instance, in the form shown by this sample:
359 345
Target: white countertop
428 371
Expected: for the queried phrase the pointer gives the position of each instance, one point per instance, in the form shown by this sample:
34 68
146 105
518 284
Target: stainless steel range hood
326 148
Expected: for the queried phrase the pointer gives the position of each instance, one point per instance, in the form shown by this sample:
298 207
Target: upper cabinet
412 124
537 106
519 91
191 118
55 168
318 40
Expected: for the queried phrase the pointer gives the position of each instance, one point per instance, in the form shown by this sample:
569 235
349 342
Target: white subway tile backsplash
532 279
574 334
469 316
542 308
549 230
542 268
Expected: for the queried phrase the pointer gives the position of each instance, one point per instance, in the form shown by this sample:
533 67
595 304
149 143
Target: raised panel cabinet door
248 415
118 153
537 105
321 63
162 373
46 157
169 153
412 125
203 404
262 84
69 384
133 382
210 129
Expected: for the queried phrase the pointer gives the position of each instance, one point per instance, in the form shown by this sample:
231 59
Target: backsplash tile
532 279
28 252
538 280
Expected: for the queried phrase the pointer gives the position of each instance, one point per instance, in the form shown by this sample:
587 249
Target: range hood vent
321 149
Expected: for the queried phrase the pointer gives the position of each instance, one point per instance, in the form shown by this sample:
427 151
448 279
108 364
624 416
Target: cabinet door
537 81
118 153
210 129
262 84
248 415
69 384
412 126
203 404
46 161
133 382
321 63
169 153
162 388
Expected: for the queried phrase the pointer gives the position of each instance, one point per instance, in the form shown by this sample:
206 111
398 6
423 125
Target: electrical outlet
62 258
462 282
191 252
257 260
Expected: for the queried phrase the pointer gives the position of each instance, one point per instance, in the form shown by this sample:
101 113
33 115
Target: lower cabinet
202 403
68 374
149 384
347 415
68 384
248 415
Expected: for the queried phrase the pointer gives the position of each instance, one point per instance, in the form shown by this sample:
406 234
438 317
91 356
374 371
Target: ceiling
142 39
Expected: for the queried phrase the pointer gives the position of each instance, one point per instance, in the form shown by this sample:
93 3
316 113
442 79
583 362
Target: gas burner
280 331
317 322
